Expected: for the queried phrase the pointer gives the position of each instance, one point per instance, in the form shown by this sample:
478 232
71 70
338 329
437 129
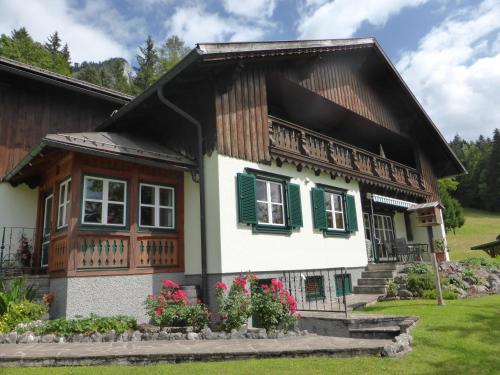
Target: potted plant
24 251
440 250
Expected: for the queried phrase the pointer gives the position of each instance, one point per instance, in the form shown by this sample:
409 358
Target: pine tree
493 179
118 75
453 214
65 53
147 70
54 43
171 52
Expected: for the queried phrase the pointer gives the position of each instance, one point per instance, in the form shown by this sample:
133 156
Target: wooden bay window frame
63 203
105 202
156 206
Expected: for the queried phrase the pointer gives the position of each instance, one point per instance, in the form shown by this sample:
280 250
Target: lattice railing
58 255
293 141
156 252
102 253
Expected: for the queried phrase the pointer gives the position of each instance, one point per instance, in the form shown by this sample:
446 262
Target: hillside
480 227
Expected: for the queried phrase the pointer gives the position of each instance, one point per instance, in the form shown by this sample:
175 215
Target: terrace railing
303 146
16 250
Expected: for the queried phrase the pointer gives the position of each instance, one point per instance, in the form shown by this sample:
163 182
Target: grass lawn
480 227
462 337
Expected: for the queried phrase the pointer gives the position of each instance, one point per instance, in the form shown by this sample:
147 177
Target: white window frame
386 231
64 202
156 206
270 204
105 202
331 195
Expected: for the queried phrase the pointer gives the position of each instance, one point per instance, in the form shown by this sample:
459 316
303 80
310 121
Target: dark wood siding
241 117
29 111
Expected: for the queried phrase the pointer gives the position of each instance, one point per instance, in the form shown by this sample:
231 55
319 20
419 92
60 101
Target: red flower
265 287
180 296
242 282
276 284
220 285
169 284
299 315
159 311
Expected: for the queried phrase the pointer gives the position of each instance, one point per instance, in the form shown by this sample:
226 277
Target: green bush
419 268
21 312
432 294
13 292
86 326
418 283
234 306
482 262
392 290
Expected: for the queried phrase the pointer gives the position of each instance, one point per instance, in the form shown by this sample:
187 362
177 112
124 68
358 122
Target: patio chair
403 251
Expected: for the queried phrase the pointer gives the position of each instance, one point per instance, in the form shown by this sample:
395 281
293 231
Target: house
295 158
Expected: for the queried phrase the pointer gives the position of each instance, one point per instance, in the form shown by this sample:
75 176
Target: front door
379 230
46 226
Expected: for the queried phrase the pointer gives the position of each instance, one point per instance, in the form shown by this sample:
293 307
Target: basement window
315 288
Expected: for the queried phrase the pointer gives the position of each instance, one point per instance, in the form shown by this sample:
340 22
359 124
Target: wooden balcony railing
304 146
156 252
104 252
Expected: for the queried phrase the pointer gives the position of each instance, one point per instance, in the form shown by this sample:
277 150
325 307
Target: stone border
402 343
165 334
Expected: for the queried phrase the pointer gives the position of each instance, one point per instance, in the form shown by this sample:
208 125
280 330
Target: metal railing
319 289
16 250
390 252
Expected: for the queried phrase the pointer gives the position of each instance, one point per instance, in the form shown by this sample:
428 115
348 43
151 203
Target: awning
392 201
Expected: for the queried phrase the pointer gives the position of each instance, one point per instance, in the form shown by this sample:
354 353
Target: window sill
335 233
156 230
272 229
103 228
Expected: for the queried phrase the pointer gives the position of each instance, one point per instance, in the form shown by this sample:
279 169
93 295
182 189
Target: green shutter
319 211
351 213
294 206
247 198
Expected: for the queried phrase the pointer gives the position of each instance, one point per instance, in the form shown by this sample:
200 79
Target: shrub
419 268
418 283
482 262
432 294
171 308
21 312
392 290
273 306
14 292
234 306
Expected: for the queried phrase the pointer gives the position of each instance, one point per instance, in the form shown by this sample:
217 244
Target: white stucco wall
242 250
192 238
18 206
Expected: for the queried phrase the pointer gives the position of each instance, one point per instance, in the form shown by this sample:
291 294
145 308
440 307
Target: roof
425 205
488 245
113 145
56 79
219 52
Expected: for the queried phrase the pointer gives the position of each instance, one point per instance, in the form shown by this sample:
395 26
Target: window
104 201
63 208
343 284
156 206
383 228
334 206
334 211
270 208
315 289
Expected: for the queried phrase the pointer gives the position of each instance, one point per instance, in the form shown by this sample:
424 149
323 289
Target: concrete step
368 289
378 274
382 266
384 332
374 281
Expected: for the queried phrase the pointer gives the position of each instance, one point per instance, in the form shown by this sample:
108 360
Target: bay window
104 201
156 206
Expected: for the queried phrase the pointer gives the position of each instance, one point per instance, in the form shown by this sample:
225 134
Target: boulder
11 338
109 336
96 337
26 338
237 334
207 334
49 338
192 336
136 336
76 337
405 294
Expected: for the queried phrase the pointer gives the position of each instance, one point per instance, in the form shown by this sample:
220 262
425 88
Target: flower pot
441 257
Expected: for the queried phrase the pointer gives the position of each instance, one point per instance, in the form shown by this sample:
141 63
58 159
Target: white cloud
341 18
251 9
455 71
86 41
195 25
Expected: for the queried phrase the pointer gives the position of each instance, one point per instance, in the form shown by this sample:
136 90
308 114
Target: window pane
339 220
329 219
337 201
93 212
147 216
275 192
68 197
328 201
277 212
66 216
116 191
261 191
60 216
147 195
115 213
262 212
93 188
166 217
166 197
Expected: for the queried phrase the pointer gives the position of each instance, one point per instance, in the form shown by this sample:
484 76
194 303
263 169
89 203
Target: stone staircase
375 278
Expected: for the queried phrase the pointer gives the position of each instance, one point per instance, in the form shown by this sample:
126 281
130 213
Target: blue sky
448 51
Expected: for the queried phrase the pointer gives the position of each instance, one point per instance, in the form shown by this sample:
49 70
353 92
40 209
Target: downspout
199 149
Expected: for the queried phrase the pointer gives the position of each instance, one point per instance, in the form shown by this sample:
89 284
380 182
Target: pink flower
220 285
180 296
276 284
169 284
299 315
265 287
242 282
159 311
